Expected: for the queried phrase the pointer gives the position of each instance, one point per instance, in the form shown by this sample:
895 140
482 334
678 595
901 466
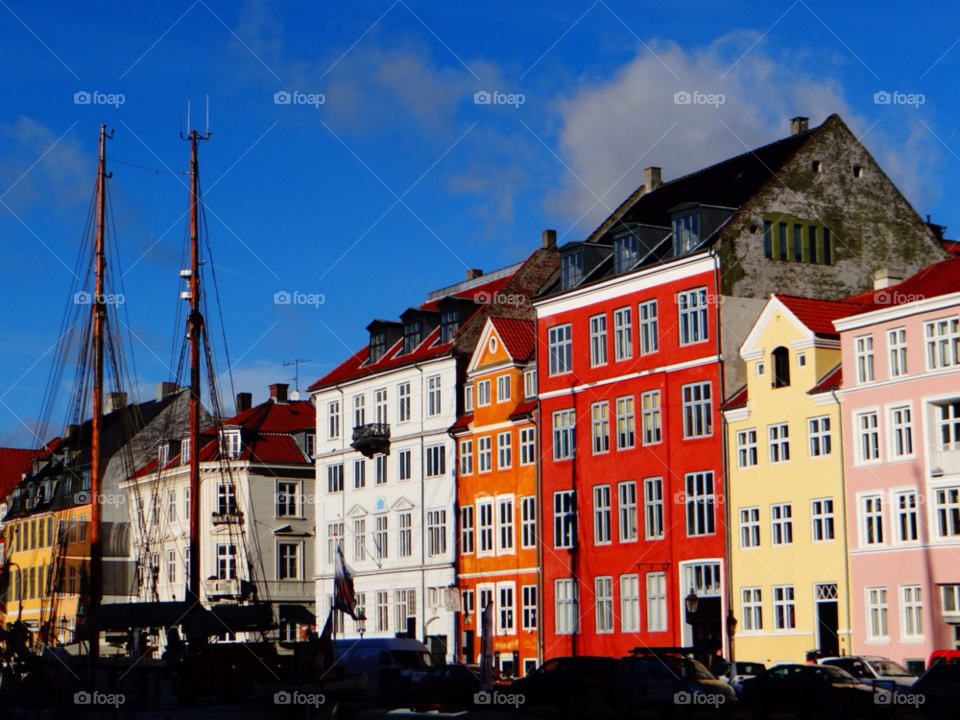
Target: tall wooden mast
99 309
195 329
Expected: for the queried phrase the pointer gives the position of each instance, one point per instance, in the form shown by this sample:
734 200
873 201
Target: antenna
188 117
208 114
296 377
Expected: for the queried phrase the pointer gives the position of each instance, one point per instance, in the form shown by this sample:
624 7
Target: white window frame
486 528
897 352
705 523
697 401
784 608
630 603
466 457
530 383
626 423
565 519
600 427
942 343
564 434
504 450
871 511
867 425
503 388
506 608
403 403
333 420
751 600
622 334
506 525
863 351
560 349
466 530
653 526
650 409
749 528
528 522
911 612
819 437
649 327
908 518
823 522
877 614
656 591
781 524
566 606
627 511
692 314
528 445
598 340
485 454
434 396
603 604
602 515
483 393
947 507
747 448
778 443
901 441
529 608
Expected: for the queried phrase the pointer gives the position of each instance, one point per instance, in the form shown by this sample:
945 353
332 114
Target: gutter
843 501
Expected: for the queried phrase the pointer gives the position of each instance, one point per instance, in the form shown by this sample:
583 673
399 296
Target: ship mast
99 309
195 325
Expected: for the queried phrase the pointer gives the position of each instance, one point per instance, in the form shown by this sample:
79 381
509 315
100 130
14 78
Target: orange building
496 496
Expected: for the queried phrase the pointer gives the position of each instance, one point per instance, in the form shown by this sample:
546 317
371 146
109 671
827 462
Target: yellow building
789 575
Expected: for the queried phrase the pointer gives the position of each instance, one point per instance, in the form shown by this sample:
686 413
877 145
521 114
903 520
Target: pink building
901 444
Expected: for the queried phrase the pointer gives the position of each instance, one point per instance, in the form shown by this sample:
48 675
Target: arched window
781 367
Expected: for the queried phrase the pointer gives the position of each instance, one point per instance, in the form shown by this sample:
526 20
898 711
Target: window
359 474
627 496
653 507
629 603
483 393
405 533
906 504
503 388
697 411
468 398
603 602
625 253
226 499
411 336
801 359
380 466
779 438
650 404
877 613
530 383
231 443
901 427
564 519
599 413
951 599
380 541
566 613
750 527
943 343
818 431
864 354
466 457
747 448
485 509
528 445
656 602
378 346
186 503
334 478
171 512
288 493
767 239
699 501
869 444
752 609
163 455
622 334
528 522
436 532
782 227
528 595
383 612
911 606
686 233
466 529
505 522
405 602
784 610
310 444
359 411
564 434
504 450
693 316
598 340
289 559
405 462
897 348
948 512
226 562
467 602
760 368
560 340
781 528
436 460
359 540
380 406
798 243
171 566
601 515
572 270
334 540
948 423
649 331
821 513
625 423
486 454
434 407
872 507
781 367
449 324
505 609
403 402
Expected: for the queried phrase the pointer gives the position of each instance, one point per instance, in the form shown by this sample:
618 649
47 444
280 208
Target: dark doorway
468 655
707 629
438 649
828 641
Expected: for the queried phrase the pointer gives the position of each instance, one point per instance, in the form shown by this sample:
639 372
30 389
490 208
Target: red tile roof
739 399
818 315
462 424
519 336
524 408
833 380
941 278
14 462
292 416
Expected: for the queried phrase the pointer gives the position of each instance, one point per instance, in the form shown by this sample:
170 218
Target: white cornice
897 312
631 376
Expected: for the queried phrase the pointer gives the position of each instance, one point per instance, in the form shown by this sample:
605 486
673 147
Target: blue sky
398 182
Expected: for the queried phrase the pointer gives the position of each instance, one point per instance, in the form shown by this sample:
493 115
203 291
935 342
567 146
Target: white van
398 665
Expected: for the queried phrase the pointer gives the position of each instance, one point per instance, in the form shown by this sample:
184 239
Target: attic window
449 324
686 233
781 367
230 443
493 345
817 166
759 369
185 451
857 171
572 270
802 359
411 336
625 251
378 346
163 455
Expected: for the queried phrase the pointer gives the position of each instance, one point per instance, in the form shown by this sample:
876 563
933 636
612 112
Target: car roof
386 644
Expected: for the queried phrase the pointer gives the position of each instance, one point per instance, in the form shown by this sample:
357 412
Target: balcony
372 439
220 589
945 460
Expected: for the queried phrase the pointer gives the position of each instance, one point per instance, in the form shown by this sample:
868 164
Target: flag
486 649
344 598
325 657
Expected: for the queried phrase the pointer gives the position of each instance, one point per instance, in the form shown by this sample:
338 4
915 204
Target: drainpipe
423 518
539 500
846 541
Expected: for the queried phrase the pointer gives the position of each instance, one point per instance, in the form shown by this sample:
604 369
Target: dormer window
468 398
412 335
378 346
230 443
625 253
163 455
449 324
185 451
572 270
781 367
686 233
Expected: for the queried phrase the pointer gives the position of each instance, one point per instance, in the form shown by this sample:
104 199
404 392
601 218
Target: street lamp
691 602
361 622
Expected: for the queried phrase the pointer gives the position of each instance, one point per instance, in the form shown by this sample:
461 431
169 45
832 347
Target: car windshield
693 669
746 668
836 675
412 658
888 668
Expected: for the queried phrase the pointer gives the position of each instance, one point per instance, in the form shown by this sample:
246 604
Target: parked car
574 684
807 689
875 671
395 667
948 657
940 688
736 672
668 681
456 684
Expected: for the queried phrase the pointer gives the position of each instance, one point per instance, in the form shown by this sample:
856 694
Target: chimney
549 239
278 392
244 402
474 274
114 401
799 125
885 277
164 389
651 179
